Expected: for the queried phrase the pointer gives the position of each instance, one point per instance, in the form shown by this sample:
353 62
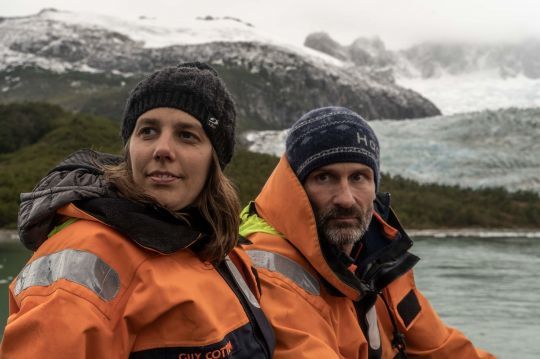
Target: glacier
476 91
456 76
471 150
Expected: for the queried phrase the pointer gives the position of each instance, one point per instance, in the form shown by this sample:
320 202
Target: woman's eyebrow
187 125
197 127
148 121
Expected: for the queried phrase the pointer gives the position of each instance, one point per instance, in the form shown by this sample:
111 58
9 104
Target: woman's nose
164 148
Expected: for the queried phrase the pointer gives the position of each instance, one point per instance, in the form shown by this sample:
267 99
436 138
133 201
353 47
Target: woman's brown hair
218 203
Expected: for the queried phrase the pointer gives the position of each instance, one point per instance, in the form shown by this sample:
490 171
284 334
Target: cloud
397 23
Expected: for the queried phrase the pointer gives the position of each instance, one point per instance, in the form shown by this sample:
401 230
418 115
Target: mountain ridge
436 59
272 83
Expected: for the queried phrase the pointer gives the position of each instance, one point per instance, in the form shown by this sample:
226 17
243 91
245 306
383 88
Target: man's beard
344 234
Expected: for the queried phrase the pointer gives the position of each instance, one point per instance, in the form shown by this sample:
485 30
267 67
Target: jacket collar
155 228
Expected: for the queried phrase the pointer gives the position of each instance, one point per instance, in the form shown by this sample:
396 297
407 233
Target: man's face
342 195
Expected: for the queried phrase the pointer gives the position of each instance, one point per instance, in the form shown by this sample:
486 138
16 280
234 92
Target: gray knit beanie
329 135
194 88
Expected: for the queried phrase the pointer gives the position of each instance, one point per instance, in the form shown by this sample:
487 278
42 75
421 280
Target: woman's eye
147 131
186 135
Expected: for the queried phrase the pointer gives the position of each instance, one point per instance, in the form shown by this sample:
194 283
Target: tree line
37 136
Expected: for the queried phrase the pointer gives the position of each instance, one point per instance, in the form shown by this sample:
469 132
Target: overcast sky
399 23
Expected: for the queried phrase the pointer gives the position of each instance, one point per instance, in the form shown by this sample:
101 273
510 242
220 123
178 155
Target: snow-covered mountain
272 82
457 77
480 149
88 63
62 40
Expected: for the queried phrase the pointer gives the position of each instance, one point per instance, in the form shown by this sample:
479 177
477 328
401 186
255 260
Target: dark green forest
37 136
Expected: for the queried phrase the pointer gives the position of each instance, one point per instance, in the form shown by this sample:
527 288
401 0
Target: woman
141 258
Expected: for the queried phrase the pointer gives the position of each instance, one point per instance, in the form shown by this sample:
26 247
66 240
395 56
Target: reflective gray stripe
77 266
277 263
241 282
373 329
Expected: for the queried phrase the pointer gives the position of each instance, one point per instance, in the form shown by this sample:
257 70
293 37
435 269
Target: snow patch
156 33
476 91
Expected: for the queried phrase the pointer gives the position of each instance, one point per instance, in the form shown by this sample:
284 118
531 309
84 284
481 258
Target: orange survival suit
325 304
119 279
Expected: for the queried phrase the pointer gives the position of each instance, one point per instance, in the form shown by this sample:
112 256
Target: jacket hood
284 205
77 177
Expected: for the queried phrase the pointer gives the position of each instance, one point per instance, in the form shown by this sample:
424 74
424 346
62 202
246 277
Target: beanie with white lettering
330 135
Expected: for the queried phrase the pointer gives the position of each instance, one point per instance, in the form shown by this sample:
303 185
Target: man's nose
344 195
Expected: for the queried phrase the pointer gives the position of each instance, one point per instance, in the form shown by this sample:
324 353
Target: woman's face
170 156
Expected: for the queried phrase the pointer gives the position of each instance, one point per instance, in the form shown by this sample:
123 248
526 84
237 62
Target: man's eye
323 177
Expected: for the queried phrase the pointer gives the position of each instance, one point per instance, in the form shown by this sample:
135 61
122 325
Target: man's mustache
337 212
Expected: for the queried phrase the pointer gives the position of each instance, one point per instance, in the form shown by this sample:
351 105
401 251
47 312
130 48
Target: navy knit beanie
329 135
194 88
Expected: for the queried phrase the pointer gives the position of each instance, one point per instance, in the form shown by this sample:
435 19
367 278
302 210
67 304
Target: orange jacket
135 302
319 312
118 279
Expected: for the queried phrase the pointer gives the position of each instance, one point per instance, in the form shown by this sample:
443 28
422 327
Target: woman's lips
162 177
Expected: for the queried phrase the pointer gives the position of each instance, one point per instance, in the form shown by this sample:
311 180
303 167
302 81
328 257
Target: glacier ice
476 150
475 92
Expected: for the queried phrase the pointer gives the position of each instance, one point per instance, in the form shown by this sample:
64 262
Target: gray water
486 287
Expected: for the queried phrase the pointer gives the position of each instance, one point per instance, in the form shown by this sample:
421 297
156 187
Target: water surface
488 288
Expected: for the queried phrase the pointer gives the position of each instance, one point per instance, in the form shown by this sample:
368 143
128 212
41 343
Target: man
332 257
